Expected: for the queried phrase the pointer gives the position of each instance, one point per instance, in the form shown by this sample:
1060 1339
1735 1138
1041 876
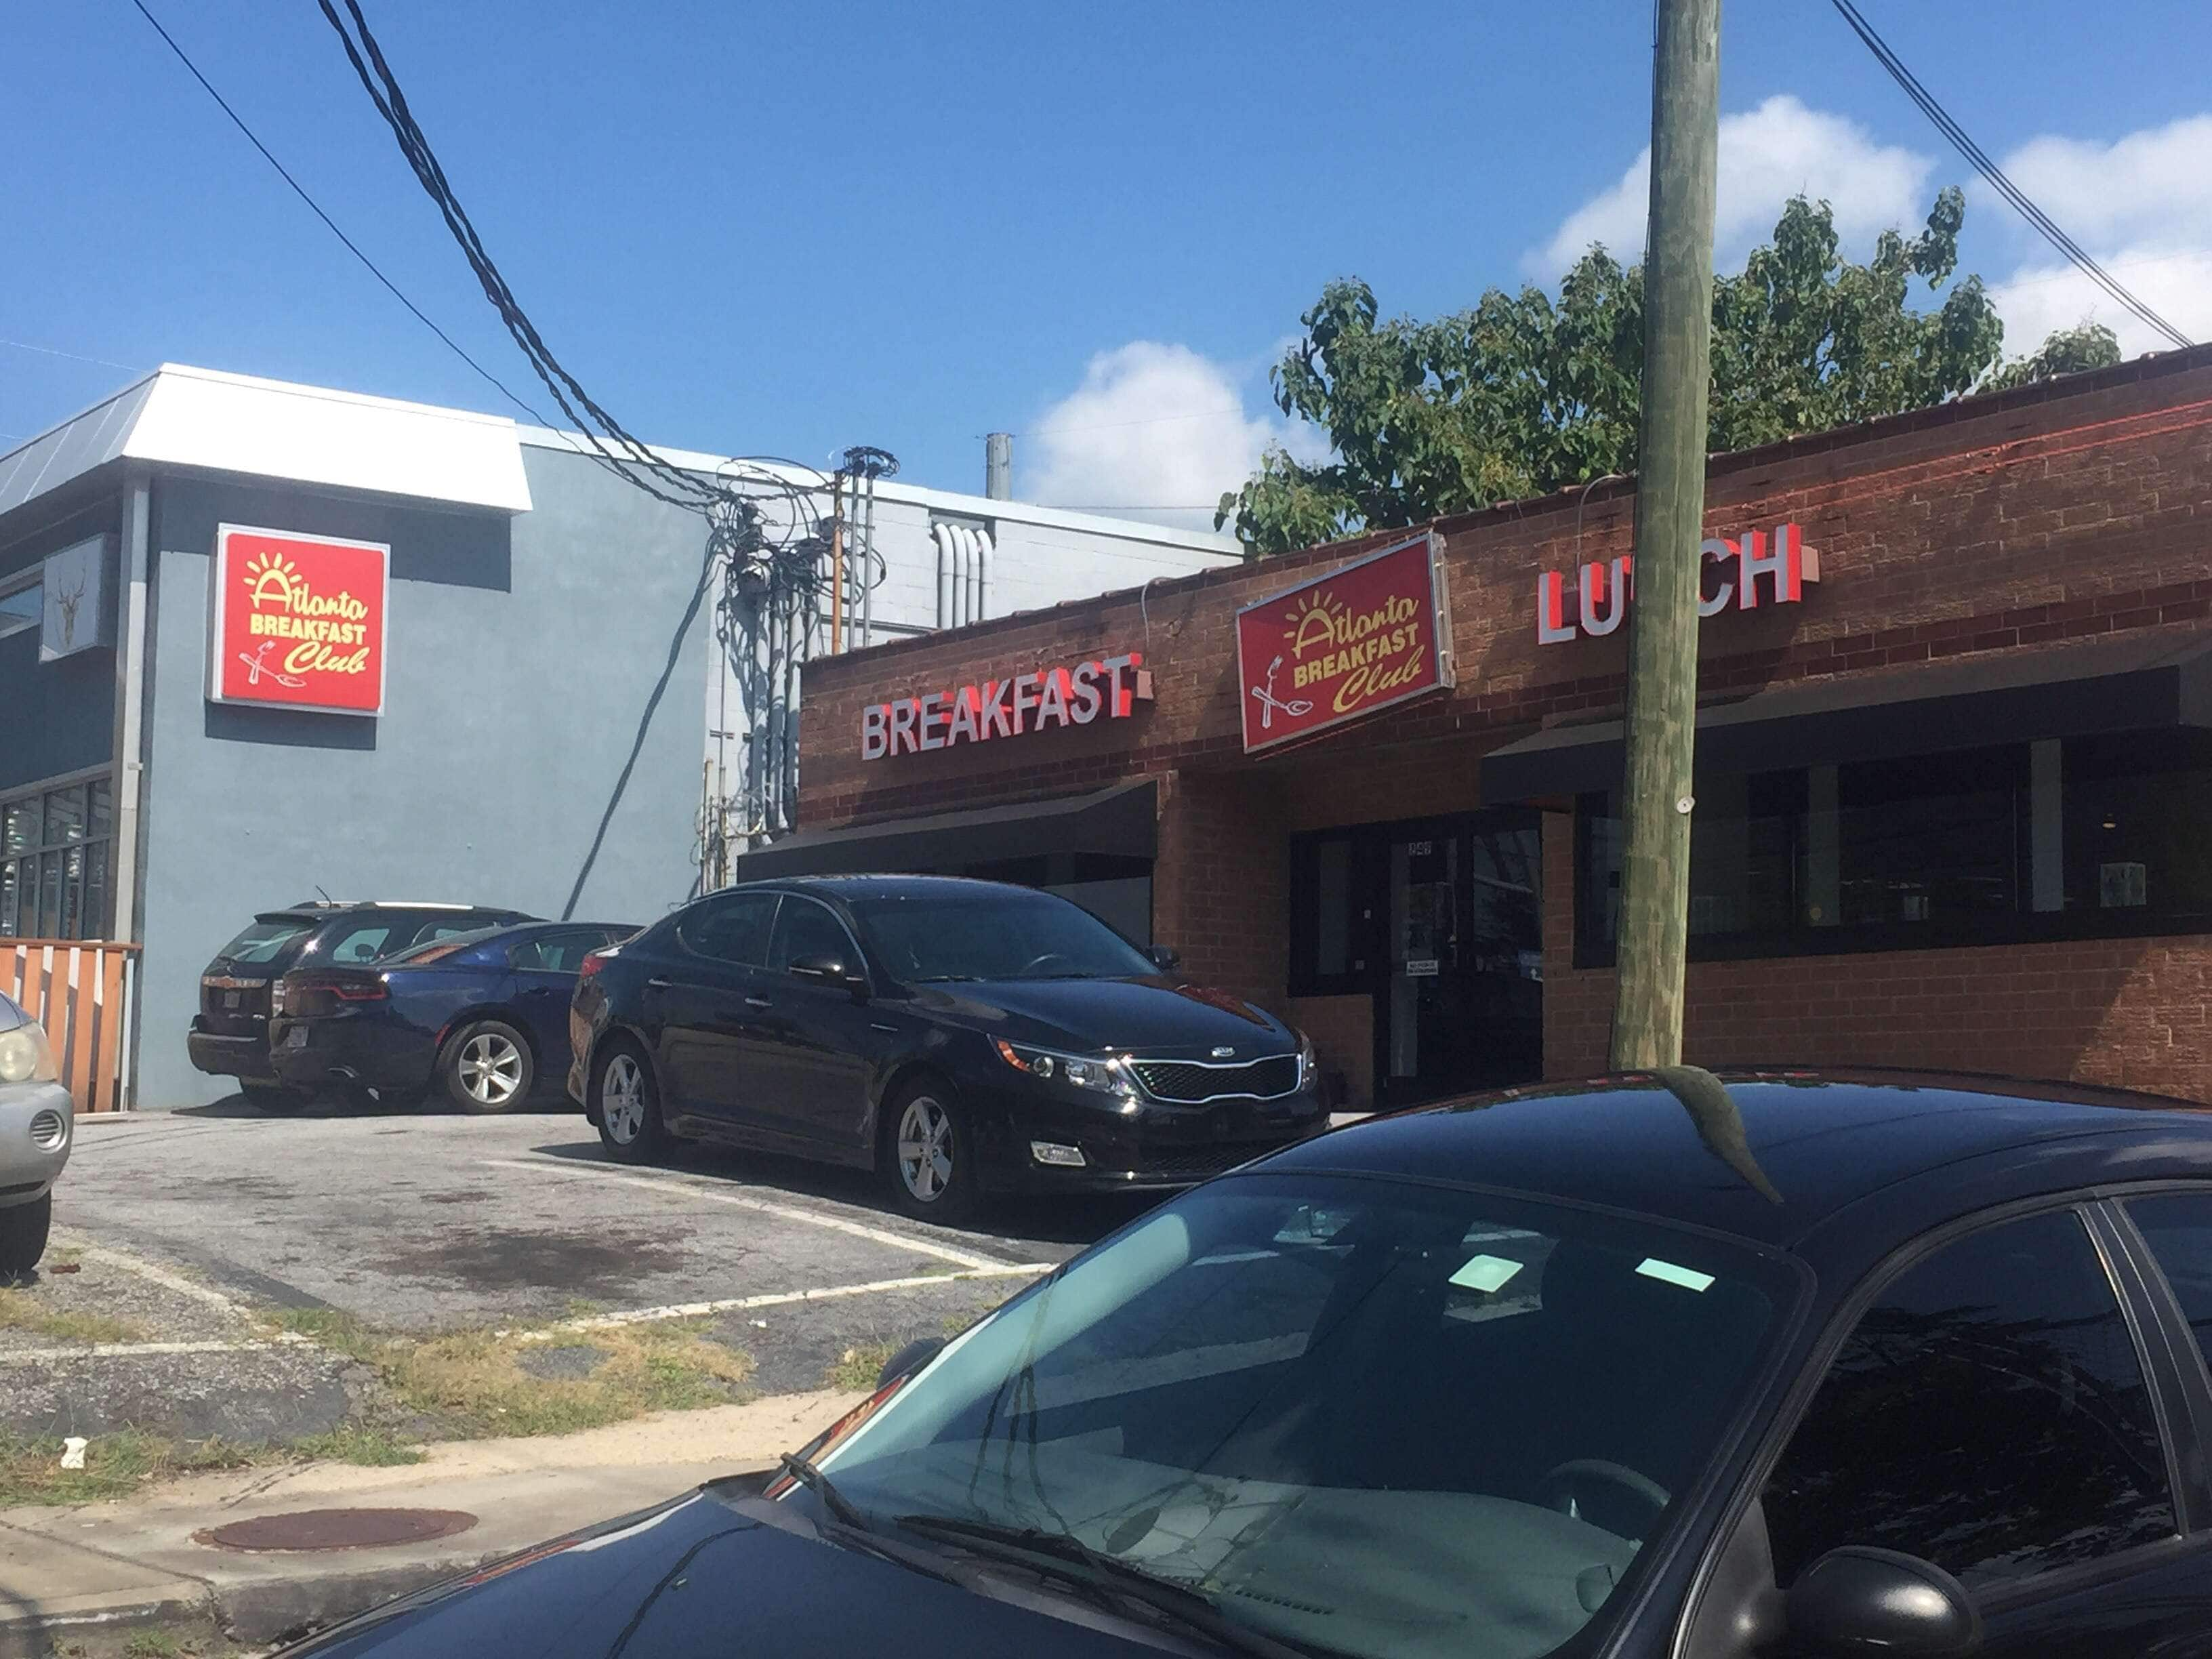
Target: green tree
1525 394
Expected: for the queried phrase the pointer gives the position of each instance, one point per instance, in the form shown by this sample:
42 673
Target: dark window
54 849
2178 1229
806 928
1746 847
1932 839
2136 807
557 953
1332 914
266 939
732 928
1988 1414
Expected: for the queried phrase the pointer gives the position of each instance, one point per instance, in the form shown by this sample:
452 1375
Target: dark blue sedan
484 1017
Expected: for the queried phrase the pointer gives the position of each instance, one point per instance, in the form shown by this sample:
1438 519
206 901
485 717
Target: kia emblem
1224 1053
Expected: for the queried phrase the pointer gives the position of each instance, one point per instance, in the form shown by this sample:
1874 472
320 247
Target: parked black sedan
1661 1367
482 1015
957 1036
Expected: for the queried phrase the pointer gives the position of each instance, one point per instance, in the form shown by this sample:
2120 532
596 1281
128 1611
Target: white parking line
678 1184
161 1276
780 1299
137 1350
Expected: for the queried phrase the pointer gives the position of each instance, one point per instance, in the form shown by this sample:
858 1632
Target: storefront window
2023 841
54 850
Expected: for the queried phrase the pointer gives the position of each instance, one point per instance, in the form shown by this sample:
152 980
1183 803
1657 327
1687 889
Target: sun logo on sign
1312 621
272 577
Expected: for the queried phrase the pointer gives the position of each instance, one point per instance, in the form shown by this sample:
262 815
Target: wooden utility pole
1670 512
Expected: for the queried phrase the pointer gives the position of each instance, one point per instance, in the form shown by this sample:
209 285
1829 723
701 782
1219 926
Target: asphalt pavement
192 1223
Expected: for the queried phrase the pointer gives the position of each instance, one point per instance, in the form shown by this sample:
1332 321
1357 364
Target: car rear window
360 941
269 938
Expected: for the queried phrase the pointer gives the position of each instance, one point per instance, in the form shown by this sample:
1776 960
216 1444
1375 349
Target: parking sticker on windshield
1485 1273
1688 1277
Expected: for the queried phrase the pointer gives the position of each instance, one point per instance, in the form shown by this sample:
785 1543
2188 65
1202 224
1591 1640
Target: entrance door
1461 1002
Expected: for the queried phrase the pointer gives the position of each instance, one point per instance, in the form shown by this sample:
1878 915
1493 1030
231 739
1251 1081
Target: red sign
1365 636
298 621
1108 687
1595 600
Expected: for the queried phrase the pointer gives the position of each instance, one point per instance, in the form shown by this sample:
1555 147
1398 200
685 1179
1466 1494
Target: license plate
230 999
296 1037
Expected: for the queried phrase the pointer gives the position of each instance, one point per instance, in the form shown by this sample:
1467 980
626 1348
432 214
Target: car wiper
842 1508
1109 1575
849 1526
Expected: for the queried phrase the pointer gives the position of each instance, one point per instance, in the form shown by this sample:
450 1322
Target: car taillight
590 966
306 996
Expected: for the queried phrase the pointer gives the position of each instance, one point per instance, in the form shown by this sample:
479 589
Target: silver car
38 1121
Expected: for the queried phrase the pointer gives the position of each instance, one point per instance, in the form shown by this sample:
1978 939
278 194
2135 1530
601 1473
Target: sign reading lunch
1366 635
1730 571
1107 688
298 621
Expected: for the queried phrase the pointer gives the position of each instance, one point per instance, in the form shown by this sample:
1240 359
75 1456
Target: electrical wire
316 208
2004 186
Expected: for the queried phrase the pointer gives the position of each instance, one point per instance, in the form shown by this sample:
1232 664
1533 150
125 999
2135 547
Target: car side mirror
908 1360
830 970
1165 957
1858 1601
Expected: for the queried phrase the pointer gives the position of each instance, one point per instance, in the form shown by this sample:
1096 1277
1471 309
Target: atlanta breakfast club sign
298 621
1076 694
1367 635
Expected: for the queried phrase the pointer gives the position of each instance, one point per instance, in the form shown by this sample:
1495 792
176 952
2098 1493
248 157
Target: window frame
2181 1407
772 897
95 851
855 960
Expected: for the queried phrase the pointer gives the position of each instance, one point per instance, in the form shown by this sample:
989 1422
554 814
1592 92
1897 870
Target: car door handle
658 982
757 1002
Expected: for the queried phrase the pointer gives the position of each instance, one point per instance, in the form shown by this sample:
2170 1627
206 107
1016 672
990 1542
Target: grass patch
115 1465
19 1312
155 1644
471 1384
375 1448
856 1370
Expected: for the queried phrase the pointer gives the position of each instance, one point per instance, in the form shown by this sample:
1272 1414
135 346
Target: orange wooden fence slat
108 1091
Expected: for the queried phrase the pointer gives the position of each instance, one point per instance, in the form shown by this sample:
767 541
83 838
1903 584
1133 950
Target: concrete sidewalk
101 1566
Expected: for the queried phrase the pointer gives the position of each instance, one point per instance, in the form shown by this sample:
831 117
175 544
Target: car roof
881 886
1819 1140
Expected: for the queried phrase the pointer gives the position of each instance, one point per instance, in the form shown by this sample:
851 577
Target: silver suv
38 1121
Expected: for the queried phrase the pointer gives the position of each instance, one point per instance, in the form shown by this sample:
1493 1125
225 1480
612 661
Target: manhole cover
336 1530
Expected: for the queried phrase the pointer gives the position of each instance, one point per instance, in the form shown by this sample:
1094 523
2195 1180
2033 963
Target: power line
1982 164
638 464
315 207
74 356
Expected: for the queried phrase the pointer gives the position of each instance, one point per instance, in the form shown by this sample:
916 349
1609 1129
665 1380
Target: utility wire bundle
1990 170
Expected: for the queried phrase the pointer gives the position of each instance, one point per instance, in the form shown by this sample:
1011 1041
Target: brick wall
2051 513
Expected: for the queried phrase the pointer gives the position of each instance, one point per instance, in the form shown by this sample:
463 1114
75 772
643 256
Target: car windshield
267 938
979 933
1359 1415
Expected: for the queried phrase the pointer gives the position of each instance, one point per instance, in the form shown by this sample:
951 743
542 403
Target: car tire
487 1066
626 1105
273 1097
24 1230
927 1157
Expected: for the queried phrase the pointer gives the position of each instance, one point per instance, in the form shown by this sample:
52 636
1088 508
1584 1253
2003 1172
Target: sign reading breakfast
1107 688
1367 635
298 621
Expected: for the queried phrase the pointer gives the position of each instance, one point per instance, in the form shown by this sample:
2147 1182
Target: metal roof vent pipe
998 465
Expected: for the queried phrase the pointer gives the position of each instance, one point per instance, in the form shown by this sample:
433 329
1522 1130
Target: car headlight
1306 1063
25 1056
1088 1073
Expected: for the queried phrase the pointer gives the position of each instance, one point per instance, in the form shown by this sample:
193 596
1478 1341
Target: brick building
1954 795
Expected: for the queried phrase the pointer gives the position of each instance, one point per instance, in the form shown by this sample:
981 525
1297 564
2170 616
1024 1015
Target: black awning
2060 691
1122 820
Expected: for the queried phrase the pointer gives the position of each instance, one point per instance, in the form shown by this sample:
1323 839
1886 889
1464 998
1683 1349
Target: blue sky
786 228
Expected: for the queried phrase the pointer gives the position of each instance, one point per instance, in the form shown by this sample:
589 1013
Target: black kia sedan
1667 1366
958 1038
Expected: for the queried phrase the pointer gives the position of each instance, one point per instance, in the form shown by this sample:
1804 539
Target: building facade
1955 771
476 615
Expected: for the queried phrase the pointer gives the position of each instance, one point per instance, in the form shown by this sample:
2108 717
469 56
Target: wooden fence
81 991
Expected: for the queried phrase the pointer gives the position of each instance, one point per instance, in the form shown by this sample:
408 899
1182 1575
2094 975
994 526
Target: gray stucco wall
521 653
60 715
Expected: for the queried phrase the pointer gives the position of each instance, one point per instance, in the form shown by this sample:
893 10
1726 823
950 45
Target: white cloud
1155 432
1767 154
2141 205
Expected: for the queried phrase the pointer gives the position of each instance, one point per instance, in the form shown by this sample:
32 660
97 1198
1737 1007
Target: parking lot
197 1235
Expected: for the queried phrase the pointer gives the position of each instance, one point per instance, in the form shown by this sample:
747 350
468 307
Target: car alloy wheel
926 1149
491 1069
622 1100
